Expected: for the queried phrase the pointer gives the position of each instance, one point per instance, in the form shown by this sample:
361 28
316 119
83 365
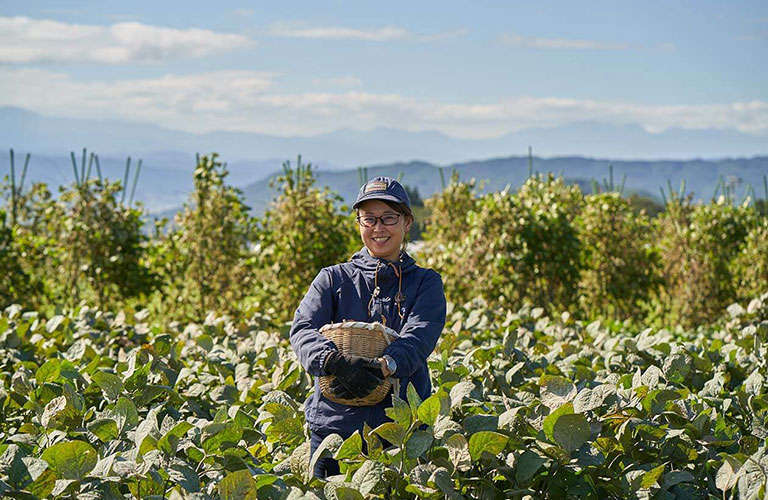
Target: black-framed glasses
370 220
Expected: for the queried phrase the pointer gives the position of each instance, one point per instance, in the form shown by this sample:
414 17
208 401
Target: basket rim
362 325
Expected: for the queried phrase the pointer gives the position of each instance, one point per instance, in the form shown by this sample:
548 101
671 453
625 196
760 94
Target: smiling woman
381 283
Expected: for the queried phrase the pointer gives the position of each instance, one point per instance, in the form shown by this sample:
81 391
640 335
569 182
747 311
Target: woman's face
382 241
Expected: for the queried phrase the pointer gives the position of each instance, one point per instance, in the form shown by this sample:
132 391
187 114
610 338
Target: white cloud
252 101
298 30
381 34
25 40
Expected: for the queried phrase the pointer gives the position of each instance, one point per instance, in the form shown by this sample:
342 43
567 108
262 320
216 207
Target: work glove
356 376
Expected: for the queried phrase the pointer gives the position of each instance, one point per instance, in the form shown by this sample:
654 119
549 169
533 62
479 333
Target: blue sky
468 69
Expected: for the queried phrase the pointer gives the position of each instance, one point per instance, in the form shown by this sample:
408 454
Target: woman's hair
404 210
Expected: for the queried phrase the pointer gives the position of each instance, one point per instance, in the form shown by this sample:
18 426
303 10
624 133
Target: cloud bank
25 40
252 101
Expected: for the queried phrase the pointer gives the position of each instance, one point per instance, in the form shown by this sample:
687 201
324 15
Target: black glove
356 376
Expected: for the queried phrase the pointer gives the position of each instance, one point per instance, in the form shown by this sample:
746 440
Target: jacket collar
365 261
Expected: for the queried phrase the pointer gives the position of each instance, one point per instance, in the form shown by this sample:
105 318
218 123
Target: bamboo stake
530 161
125 179
90 164
98 169
74 167
13 190
82 169
135 181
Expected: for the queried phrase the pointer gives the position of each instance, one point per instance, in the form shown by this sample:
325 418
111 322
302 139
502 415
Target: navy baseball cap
382 188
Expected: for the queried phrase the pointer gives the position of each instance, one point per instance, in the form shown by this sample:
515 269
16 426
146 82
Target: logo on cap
376 186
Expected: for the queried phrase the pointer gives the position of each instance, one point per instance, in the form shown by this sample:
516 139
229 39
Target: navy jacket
342 292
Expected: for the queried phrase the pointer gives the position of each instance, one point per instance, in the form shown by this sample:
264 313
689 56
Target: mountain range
580 151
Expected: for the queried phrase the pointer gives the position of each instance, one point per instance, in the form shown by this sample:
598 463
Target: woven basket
358 339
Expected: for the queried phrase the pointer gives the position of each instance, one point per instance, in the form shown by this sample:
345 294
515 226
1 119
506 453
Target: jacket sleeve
419 335
315 310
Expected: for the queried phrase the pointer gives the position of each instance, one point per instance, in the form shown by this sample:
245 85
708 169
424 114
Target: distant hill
645 177
168 156
53 136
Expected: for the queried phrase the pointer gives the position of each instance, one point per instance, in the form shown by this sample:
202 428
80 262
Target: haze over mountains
168 155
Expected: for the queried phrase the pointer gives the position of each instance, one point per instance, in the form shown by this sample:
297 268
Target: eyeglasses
370 220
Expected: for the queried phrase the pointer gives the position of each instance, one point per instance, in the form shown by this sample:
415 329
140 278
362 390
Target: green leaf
527 465
549 422
218 437
369 478
328 448
109 383
418 444
347 493
238 485
656 401
414 400
429 410
729 473
460 391
300 462
104 428
289 431
591 399
71 460
400 412
126 415
489 442
392 432
571 431
458 452
352 447
652 477
170 441
555 391
49 372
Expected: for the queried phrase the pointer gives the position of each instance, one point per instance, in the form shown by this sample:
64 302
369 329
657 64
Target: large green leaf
418 444
489 442
71 459
429 409
109 383
369 478
49 371
327 448
392 432
350 448
458 452
555 391
238 485
104 428
400 412
571 431
220 436
527 465
548 426
126 415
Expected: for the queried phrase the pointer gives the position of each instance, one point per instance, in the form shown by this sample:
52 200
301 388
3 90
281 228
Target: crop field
590 350
103 405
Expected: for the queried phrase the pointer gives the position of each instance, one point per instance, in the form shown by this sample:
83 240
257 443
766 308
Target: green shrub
619 262
698 245
751 264
204 262
304 230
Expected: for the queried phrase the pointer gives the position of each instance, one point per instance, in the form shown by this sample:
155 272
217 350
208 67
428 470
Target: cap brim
376 196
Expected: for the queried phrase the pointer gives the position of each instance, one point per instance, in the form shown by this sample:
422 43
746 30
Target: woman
380 283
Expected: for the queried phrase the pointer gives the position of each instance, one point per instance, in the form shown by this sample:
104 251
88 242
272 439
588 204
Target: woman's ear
408 223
